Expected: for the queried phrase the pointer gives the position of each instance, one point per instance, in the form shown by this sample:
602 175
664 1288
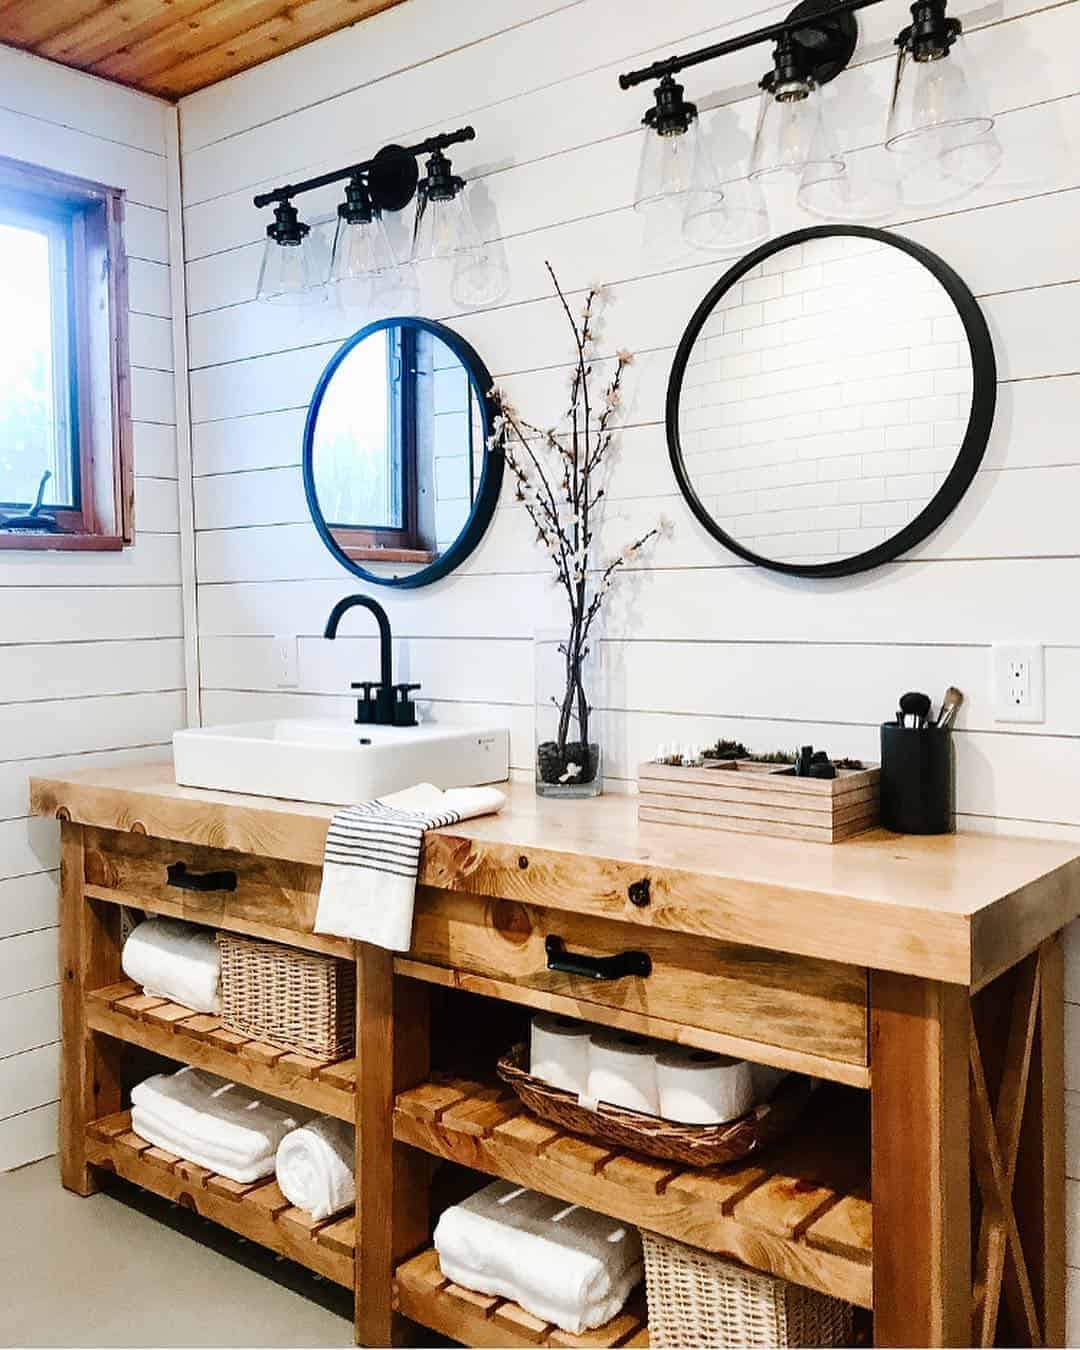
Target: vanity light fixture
933 111
296 265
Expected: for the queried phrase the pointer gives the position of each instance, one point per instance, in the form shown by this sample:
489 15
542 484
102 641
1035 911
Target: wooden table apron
966 1074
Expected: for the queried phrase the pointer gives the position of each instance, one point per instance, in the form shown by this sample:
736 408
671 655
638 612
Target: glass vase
568 754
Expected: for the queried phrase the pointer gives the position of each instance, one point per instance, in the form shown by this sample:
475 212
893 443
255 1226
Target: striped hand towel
373 856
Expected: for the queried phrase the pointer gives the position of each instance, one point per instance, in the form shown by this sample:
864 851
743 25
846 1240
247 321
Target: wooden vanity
921 978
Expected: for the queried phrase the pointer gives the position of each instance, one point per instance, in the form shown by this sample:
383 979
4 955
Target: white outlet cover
286 661
1005 658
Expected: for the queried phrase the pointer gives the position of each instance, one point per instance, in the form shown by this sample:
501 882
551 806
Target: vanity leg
920 1161
90 1083
392 1180
1039 1191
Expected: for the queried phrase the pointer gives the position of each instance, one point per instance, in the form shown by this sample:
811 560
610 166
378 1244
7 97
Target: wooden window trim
106 519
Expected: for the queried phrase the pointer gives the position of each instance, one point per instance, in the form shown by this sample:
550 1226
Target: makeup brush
950 706
916 707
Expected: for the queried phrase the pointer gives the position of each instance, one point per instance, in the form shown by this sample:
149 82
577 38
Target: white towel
563 1263
373 856
315 1167
175 960
212 1122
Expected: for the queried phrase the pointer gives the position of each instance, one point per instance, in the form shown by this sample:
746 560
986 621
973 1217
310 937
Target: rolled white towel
563 1263
315 1167
175 960
213 1122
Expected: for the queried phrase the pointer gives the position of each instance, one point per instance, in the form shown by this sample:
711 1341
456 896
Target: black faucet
390 704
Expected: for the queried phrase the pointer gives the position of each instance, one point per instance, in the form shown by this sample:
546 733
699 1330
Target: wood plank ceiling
173 47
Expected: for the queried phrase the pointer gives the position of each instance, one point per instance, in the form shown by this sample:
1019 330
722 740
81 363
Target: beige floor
100 1272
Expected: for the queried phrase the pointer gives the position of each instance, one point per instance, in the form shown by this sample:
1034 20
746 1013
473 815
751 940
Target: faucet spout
386 657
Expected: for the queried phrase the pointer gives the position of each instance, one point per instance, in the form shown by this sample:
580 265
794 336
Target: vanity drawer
810 1007
263 897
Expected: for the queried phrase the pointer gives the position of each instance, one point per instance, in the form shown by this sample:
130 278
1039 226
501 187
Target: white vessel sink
319 760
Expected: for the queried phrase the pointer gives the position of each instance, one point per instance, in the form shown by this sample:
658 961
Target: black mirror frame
972 449
487 496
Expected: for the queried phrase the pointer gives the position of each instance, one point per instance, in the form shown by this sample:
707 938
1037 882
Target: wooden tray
754 798
695 1145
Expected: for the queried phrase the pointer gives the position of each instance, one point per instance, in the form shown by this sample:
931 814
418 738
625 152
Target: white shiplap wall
91 651
697 644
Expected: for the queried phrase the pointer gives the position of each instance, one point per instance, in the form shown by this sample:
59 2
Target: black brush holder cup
917 780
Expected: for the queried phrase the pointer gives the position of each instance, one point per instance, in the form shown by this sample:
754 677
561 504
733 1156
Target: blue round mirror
400 478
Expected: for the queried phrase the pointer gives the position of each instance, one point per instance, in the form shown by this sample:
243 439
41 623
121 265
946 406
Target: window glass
37 398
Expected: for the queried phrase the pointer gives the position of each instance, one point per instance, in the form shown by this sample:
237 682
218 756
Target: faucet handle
404 711
365 711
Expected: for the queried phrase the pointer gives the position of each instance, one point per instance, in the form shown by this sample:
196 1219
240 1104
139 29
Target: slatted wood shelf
124 1011
801 1211
257 1211
422 1293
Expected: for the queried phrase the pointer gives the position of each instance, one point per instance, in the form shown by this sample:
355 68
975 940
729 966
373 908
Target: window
65 435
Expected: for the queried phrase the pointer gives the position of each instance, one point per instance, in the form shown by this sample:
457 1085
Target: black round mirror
831 400
400 478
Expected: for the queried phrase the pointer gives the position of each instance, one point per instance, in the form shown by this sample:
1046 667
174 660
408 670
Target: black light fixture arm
427 147
790 26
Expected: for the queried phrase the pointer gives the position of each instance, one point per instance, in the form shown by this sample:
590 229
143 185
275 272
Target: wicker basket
293 1000
695 1145
699 1302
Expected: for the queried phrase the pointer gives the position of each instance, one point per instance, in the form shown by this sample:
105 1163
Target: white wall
699 645
91 659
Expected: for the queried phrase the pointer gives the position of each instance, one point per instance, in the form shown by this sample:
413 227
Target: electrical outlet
1019 683
286 662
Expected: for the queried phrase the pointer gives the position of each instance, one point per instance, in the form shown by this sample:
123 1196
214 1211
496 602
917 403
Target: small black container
917 780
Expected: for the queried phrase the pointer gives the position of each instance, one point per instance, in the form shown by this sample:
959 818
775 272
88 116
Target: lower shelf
257 1211
422 1293
802 1211
124 1011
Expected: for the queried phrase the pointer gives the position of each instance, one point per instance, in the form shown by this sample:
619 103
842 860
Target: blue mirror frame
487 495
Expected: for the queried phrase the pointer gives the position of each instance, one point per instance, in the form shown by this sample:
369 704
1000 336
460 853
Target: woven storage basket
295 1000
699 1302
695 1145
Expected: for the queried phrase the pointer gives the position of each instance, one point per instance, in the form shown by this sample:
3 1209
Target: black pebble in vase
917 780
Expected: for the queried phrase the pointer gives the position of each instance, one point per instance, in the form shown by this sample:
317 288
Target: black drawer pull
596 967
180 877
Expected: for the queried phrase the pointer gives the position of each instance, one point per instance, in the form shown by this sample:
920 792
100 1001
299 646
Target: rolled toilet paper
622 1071
559 1051
699 1088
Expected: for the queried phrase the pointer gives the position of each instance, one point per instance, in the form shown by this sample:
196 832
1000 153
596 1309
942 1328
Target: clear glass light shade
444 227
934 109
294 274
793 135
666 167
361 250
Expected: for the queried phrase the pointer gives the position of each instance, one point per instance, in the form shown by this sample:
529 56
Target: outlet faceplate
286 662
1019 682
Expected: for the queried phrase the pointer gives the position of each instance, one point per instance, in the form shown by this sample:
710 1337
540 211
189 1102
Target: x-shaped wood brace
995 1136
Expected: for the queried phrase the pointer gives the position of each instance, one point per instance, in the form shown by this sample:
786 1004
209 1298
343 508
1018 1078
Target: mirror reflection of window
357 464
398 450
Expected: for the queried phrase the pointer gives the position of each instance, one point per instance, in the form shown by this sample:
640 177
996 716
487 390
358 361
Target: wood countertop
959 908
